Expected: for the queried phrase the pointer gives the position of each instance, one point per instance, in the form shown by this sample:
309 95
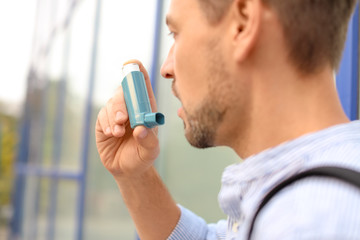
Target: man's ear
246 20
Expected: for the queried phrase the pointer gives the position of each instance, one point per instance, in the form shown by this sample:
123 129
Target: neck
285 106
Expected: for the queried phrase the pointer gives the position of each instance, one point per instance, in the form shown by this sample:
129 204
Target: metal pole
58 132
156 45
58 137
348 76
87 127
20 180
16 222
33 225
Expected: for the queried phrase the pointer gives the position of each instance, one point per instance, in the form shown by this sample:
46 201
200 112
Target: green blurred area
8 144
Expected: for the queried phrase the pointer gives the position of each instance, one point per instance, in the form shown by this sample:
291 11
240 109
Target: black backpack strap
347 175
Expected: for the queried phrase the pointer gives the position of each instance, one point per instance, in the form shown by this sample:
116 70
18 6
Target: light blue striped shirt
313 208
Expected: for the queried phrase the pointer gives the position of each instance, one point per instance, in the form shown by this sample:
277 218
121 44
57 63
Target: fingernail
143 133
119 116
108 130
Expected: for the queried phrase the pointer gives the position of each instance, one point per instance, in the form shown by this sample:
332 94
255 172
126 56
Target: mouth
175 93
179 112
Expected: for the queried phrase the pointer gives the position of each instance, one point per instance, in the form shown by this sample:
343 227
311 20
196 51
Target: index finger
148 83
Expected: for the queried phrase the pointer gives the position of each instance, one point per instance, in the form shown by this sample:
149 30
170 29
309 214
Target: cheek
190 72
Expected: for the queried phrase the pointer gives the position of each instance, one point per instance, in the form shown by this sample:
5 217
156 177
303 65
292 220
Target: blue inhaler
137 98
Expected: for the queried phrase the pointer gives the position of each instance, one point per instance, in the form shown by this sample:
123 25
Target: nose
167 69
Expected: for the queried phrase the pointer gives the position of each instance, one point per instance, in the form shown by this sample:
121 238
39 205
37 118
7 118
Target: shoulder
312 208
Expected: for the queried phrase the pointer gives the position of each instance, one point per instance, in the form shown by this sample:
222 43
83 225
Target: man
257 76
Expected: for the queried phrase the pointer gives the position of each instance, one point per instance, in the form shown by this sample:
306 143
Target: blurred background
60 63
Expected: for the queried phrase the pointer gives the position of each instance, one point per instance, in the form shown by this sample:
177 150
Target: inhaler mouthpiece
137 98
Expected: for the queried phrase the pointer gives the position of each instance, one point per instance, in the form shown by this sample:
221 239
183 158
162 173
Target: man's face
197 64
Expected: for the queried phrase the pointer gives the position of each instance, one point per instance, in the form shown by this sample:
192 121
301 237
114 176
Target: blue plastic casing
137 99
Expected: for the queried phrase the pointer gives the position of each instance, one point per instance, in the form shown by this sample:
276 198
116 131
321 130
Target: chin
198 139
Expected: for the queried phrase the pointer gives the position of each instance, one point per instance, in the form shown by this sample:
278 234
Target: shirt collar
278 158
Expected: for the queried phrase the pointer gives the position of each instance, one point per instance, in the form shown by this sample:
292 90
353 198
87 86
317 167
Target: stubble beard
204 121
202 126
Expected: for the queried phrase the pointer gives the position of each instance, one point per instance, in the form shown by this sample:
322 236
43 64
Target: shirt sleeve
193 227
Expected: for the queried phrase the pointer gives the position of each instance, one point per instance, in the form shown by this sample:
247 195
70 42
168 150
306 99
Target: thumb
148 143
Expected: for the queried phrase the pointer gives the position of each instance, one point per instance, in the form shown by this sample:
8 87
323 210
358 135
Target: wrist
139 178
151 206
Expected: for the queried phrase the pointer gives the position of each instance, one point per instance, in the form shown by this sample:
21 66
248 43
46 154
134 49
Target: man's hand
129 155
123 151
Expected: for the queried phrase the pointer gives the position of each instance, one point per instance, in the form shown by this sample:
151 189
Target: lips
179 112
175 93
